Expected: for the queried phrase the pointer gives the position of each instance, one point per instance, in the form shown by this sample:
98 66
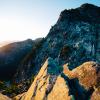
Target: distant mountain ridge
11 56
5 43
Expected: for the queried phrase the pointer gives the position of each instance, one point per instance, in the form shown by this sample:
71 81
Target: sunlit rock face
96 94
54 82
3 97
88 74
74 39
48 84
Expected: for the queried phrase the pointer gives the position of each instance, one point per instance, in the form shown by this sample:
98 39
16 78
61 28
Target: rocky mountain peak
86 12
74 38
89 6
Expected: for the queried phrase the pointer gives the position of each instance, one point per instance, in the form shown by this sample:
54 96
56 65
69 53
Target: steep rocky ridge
52 84
74 39
47 78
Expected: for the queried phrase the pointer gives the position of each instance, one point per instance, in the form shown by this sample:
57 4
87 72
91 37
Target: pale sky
23 19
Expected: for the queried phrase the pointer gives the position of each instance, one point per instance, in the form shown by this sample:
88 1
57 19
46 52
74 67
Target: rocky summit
65 65
74 39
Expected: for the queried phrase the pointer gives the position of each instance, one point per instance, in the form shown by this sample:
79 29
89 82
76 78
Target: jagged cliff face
74 39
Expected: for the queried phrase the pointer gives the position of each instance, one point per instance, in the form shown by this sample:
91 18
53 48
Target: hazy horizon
23 19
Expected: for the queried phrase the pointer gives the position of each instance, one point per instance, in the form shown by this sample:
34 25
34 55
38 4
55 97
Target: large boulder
88 75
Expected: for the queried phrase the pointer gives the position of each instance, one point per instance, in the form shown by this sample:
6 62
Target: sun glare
18 29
